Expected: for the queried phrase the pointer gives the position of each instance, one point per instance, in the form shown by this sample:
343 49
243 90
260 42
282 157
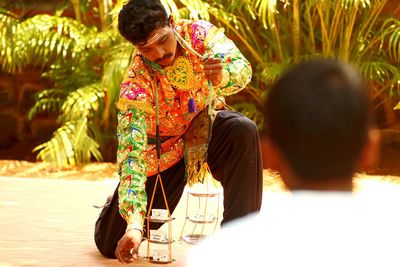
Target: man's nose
159 52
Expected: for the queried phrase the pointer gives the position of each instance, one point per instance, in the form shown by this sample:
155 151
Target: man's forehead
155 36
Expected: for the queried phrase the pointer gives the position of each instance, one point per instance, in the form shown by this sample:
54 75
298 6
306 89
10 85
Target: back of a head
138 18
318 116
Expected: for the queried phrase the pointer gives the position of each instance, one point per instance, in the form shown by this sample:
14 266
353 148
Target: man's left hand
213 70
128 246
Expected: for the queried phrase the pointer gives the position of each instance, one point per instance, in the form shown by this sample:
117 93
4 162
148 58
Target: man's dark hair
317 114
138 18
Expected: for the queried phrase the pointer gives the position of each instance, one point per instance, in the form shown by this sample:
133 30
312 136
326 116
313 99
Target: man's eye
163 40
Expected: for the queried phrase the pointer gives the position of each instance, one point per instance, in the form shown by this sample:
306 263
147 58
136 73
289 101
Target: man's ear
370 154
171 21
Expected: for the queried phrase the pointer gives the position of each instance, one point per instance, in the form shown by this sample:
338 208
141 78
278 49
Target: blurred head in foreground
319 126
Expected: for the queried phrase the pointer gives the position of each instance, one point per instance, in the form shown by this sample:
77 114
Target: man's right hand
128 246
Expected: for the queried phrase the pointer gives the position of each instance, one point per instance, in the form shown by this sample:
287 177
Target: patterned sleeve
132 141
236 72
134 106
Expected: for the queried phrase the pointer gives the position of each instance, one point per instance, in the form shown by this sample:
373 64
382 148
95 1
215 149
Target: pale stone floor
45 222
47 219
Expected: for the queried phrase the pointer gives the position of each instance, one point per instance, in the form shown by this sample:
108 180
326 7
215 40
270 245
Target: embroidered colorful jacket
137 158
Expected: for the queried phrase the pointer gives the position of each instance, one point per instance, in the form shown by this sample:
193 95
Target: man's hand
128 246
213 70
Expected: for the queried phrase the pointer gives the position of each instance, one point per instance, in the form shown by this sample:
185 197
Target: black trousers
234 157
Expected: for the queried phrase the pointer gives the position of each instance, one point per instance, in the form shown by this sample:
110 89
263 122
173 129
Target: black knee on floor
105 246
244 127
106 250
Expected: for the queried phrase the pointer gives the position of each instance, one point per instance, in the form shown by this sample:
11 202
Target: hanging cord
185 44
158 139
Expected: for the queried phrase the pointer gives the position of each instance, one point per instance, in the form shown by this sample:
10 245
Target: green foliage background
86 58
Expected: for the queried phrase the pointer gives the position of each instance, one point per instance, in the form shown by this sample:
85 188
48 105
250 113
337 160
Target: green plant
288 31
86 58
86 63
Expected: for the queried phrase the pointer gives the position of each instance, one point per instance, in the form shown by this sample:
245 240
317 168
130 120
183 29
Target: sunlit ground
90 172
63 213
363 183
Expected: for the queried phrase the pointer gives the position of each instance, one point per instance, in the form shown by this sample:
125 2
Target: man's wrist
130 227
134 228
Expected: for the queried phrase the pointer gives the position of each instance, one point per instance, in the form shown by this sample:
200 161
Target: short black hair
317 114
138 18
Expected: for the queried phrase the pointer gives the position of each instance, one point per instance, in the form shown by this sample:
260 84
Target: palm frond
267 9
75 74
40 40
236 27
47 37
391 28
116 62
47 101
198 9
73 144
349 3
115 12
184 13
9 60
171 8
380 71
383 77
98 40
369 36
272 71
85 102
69 146
84 145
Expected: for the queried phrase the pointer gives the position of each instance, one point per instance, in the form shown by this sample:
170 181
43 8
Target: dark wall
18 136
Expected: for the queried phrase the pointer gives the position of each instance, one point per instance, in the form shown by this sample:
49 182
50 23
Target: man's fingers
128 257
212 63
122 252
135 250
212 60
213 66
118 253
213 72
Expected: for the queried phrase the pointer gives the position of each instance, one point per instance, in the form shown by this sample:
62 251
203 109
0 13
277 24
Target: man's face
160 46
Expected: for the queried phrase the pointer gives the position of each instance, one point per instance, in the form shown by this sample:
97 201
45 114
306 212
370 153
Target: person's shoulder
197 29
137 70
194 23
203 23
195 32
137 62
135 85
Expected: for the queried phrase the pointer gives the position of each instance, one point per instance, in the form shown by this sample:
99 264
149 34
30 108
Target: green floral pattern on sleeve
132 142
